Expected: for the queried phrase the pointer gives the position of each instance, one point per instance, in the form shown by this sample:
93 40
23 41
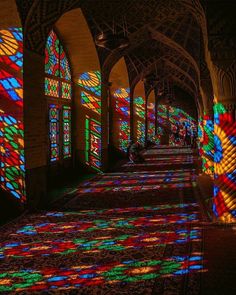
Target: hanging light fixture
113 40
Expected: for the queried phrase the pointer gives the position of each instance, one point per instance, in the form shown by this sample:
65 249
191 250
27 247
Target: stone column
156 112
146 117
221 59
224 81
132 114
225 161
35 129
224 77
105 123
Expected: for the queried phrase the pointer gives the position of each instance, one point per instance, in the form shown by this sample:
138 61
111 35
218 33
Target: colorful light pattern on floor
224 164
147 174
171 158
170 151
128 271
140 179
134 188
12 172
159 163
105 225
106 249
173 171
129 210
119 243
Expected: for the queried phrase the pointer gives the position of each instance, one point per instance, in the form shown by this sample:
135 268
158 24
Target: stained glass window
64 65
12 169
57 66
54 132
93 143
66 90
52 55
66 117
51 87
58 86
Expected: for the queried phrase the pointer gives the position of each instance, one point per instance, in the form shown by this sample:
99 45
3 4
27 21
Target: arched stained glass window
58 92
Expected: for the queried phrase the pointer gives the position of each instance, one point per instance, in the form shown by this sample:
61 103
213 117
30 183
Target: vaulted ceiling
163 34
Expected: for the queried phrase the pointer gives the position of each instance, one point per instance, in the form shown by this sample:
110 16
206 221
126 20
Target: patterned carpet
120 233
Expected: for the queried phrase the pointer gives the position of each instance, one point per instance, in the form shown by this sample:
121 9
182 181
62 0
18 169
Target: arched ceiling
159 31
82 58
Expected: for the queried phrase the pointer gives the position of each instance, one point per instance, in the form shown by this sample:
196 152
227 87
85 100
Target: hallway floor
138 230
